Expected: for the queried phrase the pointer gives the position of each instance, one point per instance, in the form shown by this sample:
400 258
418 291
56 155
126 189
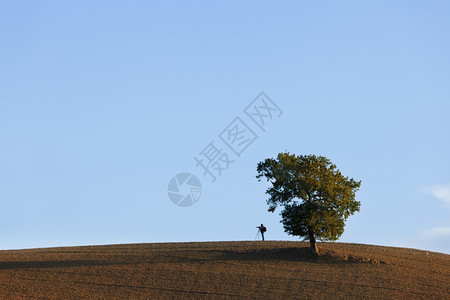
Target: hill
223 270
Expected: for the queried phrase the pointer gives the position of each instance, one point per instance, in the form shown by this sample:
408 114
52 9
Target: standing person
262 229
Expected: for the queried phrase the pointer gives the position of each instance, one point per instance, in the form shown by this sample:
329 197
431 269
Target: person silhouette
262 229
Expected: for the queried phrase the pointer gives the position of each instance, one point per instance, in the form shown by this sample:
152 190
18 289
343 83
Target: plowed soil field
224 270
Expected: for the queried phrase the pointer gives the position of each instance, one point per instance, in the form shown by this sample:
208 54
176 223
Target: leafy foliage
316 197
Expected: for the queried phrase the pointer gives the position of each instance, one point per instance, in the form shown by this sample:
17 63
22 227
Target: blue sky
101 104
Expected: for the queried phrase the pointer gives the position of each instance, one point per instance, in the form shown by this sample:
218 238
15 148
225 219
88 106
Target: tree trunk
312 244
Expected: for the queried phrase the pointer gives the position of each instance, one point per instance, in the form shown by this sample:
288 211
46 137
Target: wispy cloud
432 239
435 238
437 233
441 192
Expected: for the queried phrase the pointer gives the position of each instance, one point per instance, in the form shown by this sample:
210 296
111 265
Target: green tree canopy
316 198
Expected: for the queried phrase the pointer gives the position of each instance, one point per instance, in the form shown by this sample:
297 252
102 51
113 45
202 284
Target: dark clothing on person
262 229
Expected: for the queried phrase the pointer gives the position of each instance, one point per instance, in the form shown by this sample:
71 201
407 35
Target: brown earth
251 270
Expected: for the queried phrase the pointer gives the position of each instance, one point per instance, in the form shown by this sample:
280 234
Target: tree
316 198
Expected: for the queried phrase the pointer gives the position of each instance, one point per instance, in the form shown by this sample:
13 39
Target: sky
104 103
